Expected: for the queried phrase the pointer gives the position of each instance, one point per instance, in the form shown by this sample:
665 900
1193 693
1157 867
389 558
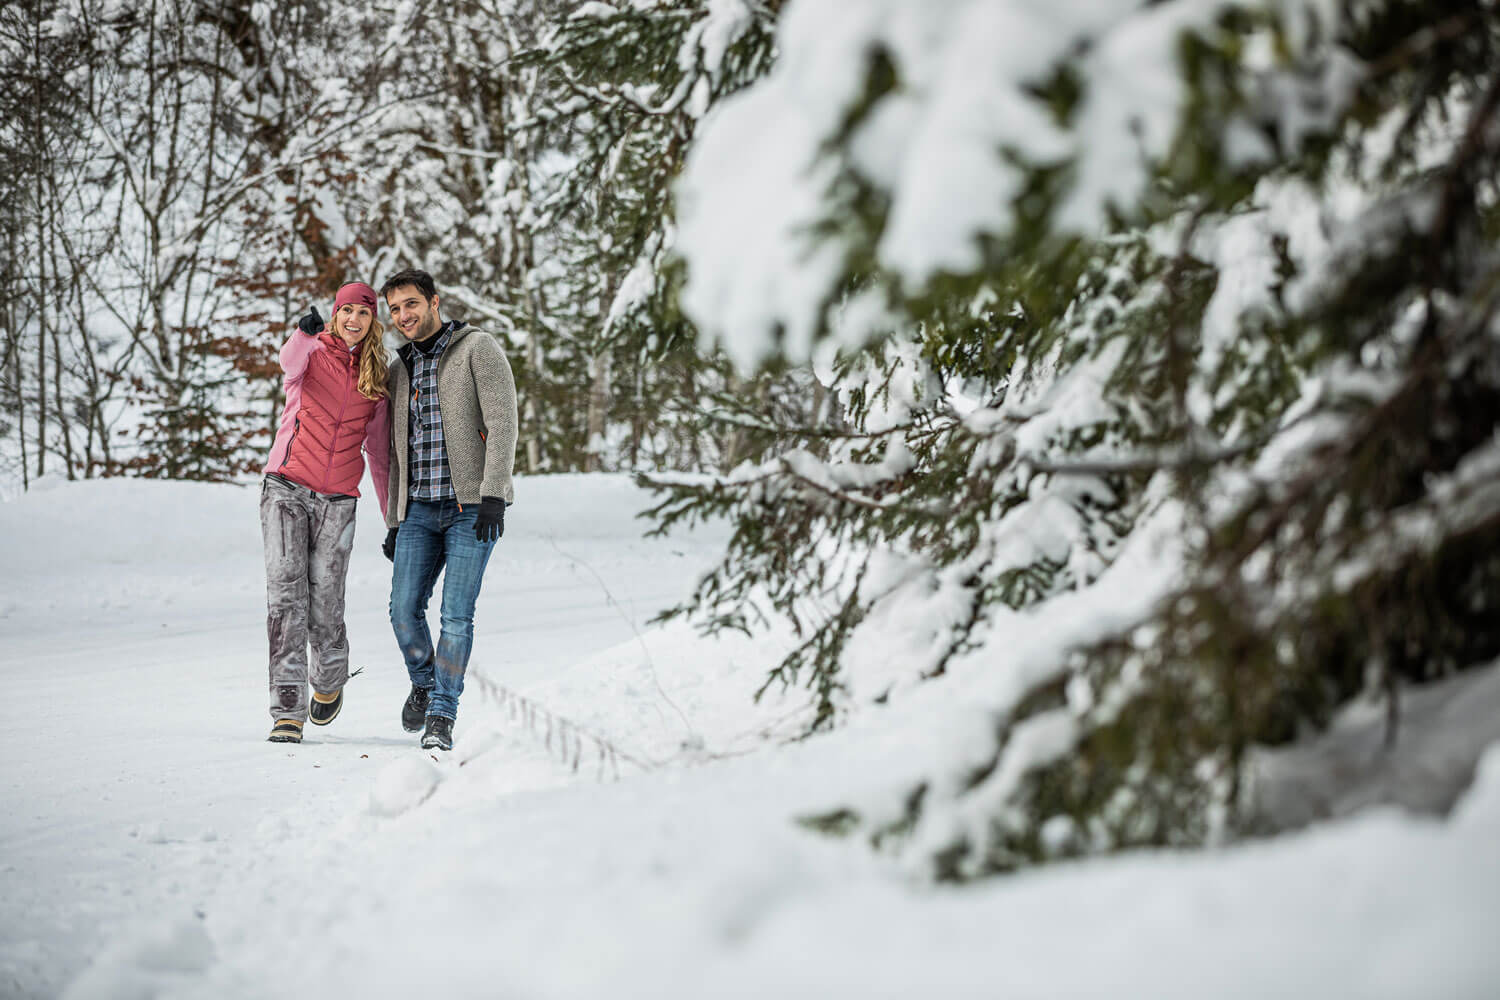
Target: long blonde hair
373 363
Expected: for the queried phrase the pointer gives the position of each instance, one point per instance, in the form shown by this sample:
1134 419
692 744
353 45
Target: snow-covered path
133 633
153 844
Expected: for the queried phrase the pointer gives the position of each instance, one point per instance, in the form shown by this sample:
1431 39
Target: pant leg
467 558
419 560
331 543
284 530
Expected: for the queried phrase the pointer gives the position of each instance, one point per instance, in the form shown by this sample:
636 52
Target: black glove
490 524
311 324
389 545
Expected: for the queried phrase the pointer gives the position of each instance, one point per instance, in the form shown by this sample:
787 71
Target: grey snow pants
308 538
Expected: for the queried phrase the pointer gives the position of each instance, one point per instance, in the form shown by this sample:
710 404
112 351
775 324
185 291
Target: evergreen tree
1172 427
626 87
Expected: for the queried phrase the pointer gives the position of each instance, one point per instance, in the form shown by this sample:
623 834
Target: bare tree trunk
63 416
599 372
13 370
95 391
730 456
62 411
532 419
690 395
598 404
41 353
104 455
41 312
637 418
815 414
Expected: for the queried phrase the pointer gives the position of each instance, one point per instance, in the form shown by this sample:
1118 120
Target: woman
336 405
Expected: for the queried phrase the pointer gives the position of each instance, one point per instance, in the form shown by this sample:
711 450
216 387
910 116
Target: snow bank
690 883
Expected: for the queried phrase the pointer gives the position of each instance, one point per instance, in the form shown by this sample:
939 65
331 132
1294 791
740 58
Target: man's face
415 318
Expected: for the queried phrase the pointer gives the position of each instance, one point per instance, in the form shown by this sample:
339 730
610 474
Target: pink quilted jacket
327 423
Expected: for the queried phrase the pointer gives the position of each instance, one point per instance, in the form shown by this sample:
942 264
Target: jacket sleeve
378 450
295 352
496 387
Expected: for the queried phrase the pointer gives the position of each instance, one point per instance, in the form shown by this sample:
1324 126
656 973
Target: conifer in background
626 88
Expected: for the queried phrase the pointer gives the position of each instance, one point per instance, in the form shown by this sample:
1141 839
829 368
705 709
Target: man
450 482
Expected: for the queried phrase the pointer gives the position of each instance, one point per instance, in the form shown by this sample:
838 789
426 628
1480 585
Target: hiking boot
286 731
439 733
325 707
415 709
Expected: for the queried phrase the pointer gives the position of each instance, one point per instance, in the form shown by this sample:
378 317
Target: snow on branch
949 115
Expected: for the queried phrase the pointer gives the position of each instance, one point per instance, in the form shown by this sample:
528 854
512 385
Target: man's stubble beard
425 329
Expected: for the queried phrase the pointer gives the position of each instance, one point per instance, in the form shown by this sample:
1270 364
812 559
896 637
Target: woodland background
182 179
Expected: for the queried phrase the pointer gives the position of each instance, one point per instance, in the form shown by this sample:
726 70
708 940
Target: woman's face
352 322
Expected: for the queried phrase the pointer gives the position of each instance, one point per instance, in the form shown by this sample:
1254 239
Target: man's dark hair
410 276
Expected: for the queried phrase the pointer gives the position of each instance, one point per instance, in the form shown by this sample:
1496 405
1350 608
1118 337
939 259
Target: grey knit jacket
477 399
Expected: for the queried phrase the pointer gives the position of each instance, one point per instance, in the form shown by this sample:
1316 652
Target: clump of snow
727 20
949 144
757 182
403 784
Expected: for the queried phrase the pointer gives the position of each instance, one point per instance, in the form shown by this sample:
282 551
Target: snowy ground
153 844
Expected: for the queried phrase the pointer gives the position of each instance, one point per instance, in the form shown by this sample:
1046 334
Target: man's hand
389 545
490 524
311 324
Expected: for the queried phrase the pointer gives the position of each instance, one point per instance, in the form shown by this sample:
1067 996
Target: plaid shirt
428 455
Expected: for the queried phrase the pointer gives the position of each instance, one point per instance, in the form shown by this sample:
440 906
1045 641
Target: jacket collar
336 344
453 330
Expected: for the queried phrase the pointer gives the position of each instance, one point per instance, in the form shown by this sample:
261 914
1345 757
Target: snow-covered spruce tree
626 86
1173 325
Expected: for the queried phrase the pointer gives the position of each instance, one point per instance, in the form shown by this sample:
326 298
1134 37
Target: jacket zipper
333 439
296 426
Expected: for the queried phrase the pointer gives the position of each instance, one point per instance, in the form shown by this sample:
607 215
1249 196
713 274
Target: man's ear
435 303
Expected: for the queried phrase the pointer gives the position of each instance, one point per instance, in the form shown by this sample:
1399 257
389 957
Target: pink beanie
355 293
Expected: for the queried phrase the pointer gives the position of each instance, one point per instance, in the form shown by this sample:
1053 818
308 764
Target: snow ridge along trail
153 844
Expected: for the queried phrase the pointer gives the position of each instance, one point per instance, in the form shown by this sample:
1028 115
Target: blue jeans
437 537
